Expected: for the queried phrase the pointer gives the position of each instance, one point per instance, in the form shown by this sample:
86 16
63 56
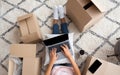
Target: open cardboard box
29 28
84 13
31 64
105 68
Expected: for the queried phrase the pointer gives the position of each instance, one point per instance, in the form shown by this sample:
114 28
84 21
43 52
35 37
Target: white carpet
98 40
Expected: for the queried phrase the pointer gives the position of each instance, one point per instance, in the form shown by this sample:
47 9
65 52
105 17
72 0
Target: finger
52 51
62 52
55 49
65 46
62 47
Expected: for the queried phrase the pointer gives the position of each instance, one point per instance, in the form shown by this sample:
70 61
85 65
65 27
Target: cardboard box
31 66
84 13
29 28
31 63
11 67
23 50
105 68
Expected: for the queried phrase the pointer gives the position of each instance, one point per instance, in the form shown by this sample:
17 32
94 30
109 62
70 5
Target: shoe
55 13
61 11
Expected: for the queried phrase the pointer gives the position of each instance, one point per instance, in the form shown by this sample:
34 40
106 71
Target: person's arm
53 58
67 53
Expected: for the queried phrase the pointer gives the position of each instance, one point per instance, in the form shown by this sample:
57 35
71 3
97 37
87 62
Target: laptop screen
55 40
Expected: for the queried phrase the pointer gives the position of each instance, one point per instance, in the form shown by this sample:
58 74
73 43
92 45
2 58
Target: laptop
56 42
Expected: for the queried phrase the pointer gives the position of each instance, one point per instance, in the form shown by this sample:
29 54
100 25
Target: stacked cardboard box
31 63
29 28
84 13
105 68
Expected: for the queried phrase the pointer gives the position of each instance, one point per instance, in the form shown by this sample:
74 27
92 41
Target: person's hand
53 55
66 51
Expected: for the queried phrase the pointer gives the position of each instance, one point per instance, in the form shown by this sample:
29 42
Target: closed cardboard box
84 13
96 66
29 28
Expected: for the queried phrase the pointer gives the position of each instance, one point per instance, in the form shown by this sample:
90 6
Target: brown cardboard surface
83 2
34 37
99 5
105 69
11 67
31 24
77 14
37 26
23 50
82 18
24 17
31 66
23 28
95 14
29 28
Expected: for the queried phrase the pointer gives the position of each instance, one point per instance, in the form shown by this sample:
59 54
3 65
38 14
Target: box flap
77 13
23 28
99 4
34 37
32 24
105 68
112 69
11 67
31 66
24 17
23 50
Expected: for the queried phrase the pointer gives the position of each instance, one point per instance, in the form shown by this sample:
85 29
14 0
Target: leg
64 26
55 27
55 21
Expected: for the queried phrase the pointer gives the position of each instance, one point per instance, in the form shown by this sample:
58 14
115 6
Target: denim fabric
56 29
64 28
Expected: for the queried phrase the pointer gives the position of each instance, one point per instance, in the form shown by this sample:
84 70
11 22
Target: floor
98 40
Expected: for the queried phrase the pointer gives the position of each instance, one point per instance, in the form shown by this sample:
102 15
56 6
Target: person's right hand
66 51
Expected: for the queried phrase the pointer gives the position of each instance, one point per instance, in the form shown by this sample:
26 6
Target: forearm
75 67
48 71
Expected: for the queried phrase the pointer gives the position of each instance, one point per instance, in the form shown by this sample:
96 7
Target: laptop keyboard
58 46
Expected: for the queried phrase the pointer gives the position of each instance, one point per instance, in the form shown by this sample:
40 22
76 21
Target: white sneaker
61 11
55 13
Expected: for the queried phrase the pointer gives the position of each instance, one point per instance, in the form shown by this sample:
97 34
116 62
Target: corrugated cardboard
82 18
28 26
11 67
31 63
24 17
98 4
23 50
30 37
31 66
105 69
24 28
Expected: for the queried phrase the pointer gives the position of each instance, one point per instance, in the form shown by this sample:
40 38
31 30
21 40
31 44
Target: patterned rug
98 40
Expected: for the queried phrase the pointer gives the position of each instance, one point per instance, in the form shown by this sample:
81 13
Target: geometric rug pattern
98 40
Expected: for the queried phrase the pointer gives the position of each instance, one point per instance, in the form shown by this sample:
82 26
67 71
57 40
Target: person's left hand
53 55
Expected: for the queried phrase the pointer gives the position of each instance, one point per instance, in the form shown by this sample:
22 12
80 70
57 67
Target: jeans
64 28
